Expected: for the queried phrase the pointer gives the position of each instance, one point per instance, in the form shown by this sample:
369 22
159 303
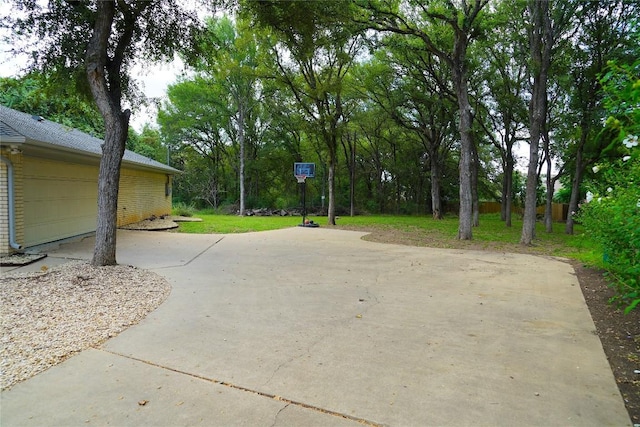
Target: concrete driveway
317 327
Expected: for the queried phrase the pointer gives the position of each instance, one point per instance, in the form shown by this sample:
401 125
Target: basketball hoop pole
302 171
302 179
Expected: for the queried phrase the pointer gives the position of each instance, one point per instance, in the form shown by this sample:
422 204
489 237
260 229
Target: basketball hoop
301 178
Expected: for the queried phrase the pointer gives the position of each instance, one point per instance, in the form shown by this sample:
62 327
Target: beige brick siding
17 162
4 210
142 194
59 199
56 199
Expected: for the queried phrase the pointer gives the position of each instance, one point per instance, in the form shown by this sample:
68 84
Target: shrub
612 218
612 214
183 209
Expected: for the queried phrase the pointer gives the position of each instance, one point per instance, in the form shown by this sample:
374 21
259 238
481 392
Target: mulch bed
619 334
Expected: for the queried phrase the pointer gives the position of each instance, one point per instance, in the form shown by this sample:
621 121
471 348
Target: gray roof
15 124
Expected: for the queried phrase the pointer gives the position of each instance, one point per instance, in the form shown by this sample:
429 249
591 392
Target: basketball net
301 178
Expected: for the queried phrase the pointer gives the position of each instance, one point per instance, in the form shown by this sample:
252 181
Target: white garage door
60 200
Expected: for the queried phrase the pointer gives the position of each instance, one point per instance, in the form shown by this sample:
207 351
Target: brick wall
16 161
4 210
141 195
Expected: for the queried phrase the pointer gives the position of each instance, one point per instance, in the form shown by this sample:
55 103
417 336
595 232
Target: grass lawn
421 231
224 224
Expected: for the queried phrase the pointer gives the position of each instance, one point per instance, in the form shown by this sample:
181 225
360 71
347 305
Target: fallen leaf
143 402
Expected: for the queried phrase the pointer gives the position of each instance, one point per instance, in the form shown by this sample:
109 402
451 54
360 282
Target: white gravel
48 316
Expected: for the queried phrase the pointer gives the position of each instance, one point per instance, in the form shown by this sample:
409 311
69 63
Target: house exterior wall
4 209
17 163
18 194
56 199
141 195
59 199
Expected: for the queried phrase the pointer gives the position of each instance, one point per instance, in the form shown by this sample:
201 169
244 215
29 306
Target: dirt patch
619 333
18 259
160 224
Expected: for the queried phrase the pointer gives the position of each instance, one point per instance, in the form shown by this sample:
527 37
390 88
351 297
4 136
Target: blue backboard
308 169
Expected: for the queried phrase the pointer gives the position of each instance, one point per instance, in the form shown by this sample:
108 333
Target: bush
611 215
182 209
612 218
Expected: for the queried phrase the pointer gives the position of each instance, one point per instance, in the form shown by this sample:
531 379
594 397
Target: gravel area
48 316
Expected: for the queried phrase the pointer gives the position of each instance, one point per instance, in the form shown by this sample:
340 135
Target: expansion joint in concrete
287 402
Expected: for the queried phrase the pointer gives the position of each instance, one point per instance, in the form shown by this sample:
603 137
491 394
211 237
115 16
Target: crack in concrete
361 421
192 259
369 296
275 419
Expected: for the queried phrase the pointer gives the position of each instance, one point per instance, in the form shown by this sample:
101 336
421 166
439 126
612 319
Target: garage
49 183
59 200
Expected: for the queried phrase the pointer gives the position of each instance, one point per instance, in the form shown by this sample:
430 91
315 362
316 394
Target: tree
227 57
412 87
552 25
605 34
462 22
540 44
101 39
502 112
612 212
148 143
42 95
315 48
195 118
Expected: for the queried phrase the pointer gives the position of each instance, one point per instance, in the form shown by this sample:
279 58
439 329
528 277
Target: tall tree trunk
436 202
241 119
548 206
352 178
466 141
575 186
503 201
508 188
331 181
540 46
107 98
108 185
349 147
475 166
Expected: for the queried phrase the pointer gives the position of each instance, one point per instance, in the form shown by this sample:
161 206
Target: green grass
491 235
224 224
422 231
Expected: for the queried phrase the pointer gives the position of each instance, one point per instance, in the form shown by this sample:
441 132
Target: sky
153 80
